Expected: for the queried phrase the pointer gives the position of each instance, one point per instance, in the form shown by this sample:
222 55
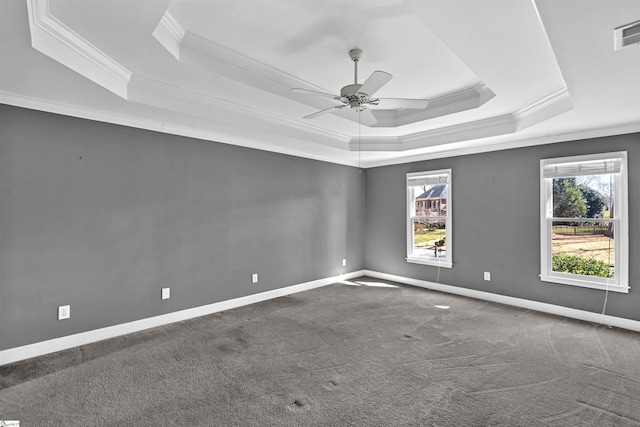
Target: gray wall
102 217
496 224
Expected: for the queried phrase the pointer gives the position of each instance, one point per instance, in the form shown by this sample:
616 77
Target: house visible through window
429 218
584 221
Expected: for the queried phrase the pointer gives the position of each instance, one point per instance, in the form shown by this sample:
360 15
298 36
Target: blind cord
604 307
606 292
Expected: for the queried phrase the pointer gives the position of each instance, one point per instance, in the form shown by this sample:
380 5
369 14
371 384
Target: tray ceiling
497 74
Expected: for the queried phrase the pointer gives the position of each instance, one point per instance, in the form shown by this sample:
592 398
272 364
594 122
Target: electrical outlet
166 293
64 312
487 275
344 262
254 278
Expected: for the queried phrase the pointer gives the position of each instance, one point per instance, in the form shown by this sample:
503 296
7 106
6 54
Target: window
584 221
429 218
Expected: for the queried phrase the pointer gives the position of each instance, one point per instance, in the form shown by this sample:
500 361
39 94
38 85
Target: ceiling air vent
627 35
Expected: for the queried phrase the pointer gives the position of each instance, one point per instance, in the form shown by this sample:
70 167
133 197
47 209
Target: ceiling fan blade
321 112
397 103
367 118
375 82
315 92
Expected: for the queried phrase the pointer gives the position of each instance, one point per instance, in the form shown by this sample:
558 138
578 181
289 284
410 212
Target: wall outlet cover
64 312
166 293
487 275
254 278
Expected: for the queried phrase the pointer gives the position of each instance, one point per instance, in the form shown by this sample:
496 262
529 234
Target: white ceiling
497 73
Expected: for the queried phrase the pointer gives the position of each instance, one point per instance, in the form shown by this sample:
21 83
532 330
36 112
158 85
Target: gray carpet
341 355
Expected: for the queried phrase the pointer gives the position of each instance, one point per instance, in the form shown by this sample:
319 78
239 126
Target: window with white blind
584 221
429 218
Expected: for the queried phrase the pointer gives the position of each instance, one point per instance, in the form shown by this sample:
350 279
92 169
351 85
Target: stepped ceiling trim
455 121
56 40
159 94
50 106
550 106
193 49
481 128
187 47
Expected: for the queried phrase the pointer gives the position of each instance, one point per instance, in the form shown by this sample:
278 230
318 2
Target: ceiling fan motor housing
351 96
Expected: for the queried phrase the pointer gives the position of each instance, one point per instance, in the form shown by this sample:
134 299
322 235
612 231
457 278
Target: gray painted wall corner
496 224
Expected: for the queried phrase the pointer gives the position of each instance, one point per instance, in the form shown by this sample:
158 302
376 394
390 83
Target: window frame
447 262
620 282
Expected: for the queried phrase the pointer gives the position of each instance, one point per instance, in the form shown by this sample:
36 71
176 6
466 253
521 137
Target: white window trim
620 283
448 261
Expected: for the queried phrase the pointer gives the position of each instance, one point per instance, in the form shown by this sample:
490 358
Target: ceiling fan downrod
351 92
355 55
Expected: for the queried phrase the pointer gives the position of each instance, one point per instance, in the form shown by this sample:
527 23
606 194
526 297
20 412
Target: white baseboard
57 344
573 313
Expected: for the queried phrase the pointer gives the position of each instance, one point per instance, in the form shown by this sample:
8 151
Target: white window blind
427 180
594 167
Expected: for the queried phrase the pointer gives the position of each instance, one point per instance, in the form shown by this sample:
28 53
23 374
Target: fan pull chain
359 139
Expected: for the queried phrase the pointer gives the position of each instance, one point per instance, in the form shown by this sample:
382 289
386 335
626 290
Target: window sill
585 284
433 262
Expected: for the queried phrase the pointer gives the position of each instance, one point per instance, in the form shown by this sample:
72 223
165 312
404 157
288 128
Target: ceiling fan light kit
359 96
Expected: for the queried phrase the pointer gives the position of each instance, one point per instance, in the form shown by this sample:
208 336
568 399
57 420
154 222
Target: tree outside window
583 202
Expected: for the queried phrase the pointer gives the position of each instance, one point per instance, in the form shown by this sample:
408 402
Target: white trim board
57 344
588 316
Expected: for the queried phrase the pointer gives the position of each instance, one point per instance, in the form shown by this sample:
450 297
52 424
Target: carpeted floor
367 354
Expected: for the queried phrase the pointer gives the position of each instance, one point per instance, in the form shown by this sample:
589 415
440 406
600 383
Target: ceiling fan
359 96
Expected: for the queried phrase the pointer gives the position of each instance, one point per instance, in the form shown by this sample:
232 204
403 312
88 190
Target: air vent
627 35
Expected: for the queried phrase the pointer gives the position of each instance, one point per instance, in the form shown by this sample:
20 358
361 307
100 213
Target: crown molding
159 94
191 48
373 143
59 42
623 129
493 126
65 109
550 106
456 101
39 104
169 32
